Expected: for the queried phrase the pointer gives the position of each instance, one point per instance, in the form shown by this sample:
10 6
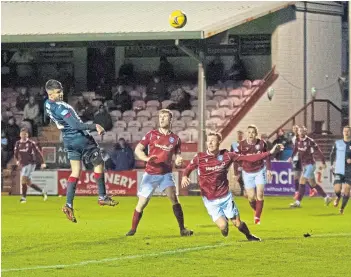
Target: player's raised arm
255 157
186 173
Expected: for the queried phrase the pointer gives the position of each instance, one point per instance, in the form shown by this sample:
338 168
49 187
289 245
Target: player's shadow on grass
283 209
330 214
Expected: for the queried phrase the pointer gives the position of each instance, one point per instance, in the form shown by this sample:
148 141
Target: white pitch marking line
170 252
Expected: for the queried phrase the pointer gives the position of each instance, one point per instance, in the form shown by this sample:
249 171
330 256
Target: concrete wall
323 67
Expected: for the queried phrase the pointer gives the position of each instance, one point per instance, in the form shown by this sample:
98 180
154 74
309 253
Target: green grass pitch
39 240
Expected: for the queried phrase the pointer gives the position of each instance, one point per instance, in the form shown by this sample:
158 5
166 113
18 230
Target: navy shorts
77 147
342 179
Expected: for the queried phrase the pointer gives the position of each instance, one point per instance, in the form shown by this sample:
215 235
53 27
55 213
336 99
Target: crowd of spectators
113 96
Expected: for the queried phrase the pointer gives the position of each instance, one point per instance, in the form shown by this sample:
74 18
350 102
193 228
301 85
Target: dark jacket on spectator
182 104
123 101
21 101
13 134
104 119
156 91
123 158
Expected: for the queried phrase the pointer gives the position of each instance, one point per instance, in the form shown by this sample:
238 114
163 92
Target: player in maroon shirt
26 153
162 144
254 174
212 167
306 147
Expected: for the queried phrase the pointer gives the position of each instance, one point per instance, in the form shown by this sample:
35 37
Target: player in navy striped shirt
78 142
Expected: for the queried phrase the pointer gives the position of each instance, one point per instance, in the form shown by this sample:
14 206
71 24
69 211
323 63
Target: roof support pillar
201 92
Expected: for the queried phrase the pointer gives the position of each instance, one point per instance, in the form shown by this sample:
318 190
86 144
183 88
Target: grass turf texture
38 234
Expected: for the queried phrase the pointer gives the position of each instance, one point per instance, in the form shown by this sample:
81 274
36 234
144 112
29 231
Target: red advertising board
117 183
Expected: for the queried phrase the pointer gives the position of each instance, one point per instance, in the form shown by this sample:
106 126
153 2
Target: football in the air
177 19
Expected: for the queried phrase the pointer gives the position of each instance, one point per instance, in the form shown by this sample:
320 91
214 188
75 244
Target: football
177 19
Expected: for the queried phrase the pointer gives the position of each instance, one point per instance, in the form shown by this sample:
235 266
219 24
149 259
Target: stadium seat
194 133
184 136
187 115
116 115
152 105
126 135
120 124
236 93
178 124
118 130
143 116
247 84
257 83
109 137
236 101
226 103
129 116
139 105
149 123
176 114
134 126
209 93
229 113
218 98
166 103
193 124
194 103
248 92
137 136
144 130
218 113
221 93
211 104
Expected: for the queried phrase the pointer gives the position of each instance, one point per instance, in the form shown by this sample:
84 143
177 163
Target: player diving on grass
78 142
341 155
26 154
212 169
162 144
306 147
255 173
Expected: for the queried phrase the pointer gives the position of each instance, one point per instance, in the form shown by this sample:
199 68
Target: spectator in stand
181 101
126 72
215 70
269 144
4 149
84 109
12 132
22 99
24 68
237 71
31 113
122 99
103 89
103 118
281 139
165 69
40 99
122 156
156 90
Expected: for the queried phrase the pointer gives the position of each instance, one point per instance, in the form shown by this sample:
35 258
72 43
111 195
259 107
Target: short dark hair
53 84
